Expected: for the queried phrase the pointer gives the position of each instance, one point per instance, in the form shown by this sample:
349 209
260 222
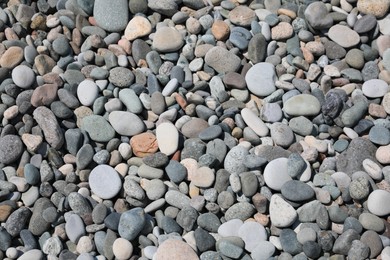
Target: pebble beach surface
191 129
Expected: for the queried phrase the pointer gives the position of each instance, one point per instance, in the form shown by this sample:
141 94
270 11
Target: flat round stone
377 202
302 105
23 76
104 181
261 78
375 88
343 36
120 122
167 39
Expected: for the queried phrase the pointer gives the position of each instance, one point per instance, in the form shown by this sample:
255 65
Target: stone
252 233
318 17
374 88
376 202
167 138
112 18
344 36
12 57
131 223
167 39
104 181
98 128
282 214
242 15
87 92
254 122
175 249
23 76
137 27
122 248
297 191
302 105
376 8
222 60
144 144
11 148
276 173
119 120
49 125
261 72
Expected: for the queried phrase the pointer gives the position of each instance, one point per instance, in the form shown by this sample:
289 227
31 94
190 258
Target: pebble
137 27
98 128
112 18
254 122
104 181
167 138
344 36
87 92
275 179
375 202
167 39
119 119
302 105
374 88
122 249
11 148
175 249
282 214
261 72
222 60
252 233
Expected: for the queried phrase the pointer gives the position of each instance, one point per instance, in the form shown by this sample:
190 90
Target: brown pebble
12 57
220 30
144 144
376 110
5 211
44 95
44 64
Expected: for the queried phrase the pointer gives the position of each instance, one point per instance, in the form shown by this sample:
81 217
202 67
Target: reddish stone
144 144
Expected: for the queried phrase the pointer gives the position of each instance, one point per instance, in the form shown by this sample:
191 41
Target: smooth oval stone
167 39
297 191
74 228
130 99
98 128
254 122
375 88
167 138
261 78
23 76
104 181
302 105
377 202
120 122
276 173
87 92
343 36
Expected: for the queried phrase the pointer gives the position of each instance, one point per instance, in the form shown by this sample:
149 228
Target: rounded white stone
282 214
276 174
375 88
104 181
378 202
167 138
87 92
122 249
23 76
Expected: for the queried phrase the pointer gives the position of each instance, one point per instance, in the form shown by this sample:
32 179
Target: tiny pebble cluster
194 129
